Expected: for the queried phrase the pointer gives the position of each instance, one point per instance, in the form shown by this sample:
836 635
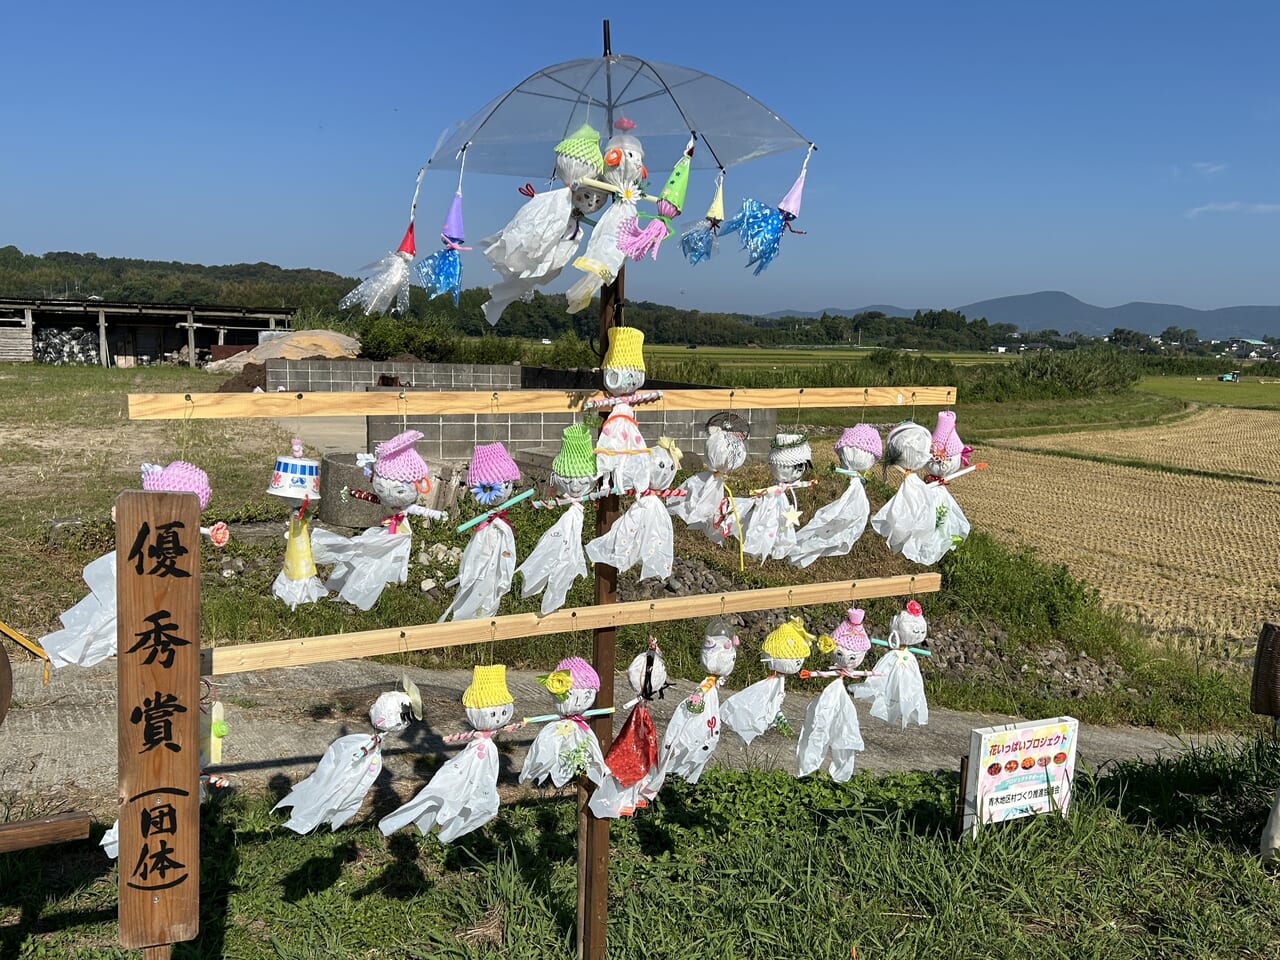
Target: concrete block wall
358 375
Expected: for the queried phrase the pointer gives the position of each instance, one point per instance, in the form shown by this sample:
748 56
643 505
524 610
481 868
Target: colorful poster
1019 769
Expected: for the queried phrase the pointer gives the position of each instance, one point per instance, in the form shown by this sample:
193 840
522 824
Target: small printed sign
1019 770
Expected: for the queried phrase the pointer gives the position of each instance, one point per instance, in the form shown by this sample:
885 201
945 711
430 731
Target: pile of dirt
252 377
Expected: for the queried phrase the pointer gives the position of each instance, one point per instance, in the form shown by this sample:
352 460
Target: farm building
127 334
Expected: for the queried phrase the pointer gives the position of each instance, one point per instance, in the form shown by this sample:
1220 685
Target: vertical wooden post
102 339
191 338
158 719
593 832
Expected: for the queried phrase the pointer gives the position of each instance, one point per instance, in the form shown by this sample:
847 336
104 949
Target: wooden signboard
158 631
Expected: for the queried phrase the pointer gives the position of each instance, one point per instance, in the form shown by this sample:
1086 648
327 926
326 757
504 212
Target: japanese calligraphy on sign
158 632
1019 770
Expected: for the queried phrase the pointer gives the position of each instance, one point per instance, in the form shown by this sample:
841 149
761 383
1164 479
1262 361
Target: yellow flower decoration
557 683
826 644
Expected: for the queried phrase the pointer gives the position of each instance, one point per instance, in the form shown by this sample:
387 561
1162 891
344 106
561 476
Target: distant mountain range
1052 309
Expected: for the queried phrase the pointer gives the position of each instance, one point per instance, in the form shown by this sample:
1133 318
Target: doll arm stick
476 521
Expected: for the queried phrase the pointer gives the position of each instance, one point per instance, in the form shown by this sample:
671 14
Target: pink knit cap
582 674
492 464
945 442
177 477
399 460
851 635
863 436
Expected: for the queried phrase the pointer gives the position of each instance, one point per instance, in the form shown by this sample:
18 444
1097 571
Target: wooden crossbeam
215 406
37 833
372 643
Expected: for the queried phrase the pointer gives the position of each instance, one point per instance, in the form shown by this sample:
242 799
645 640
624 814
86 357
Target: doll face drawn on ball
787 472
662 468
490 718
588 200
851 458
576 487
784 665
575 701
620 381
842 658
909 631
395 494
719 651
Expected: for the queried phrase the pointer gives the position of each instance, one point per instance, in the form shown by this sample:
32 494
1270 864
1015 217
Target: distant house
999 348
1034 347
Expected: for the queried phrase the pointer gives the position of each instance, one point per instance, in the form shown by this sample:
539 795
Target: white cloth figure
366 563
484 574
463 794
920 520
334 793
706 506
752 711
531 250
768 529
830 723
834 528
643 534
88 633
556 561
566 748
896 688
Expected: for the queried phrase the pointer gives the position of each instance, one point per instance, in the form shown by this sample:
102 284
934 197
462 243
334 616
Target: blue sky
1116 151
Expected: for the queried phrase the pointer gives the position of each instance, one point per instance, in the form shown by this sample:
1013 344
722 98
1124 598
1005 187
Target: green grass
1152 860
1254 393
767 358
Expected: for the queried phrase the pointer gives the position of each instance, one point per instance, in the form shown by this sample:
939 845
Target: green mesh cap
583 144
677 184
577 456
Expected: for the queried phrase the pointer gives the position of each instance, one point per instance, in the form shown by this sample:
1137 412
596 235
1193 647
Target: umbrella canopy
512 134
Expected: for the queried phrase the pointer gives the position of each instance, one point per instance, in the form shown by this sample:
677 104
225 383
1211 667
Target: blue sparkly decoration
760 227
441 273
699 242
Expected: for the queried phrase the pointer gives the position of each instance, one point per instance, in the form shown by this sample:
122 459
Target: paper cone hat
407 245
488 687
577 456
716 210
626 349
678 183
453 222
790 204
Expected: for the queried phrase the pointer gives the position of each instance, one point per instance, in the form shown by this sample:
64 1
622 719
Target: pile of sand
298 345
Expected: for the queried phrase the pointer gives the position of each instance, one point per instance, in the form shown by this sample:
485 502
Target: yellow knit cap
789 641
626 349
488 687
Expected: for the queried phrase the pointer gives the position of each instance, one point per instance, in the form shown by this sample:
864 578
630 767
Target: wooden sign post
158 634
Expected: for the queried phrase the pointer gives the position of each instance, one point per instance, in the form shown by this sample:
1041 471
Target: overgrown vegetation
1152 860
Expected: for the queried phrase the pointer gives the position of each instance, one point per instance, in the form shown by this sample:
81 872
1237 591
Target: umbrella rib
657 76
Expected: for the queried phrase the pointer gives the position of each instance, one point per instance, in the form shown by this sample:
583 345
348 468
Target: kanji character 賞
156 716
159 640
165 551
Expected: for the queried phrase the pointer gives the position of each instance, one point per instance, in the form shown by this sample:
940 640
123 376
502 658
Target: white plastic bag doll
921 520
545 234
489 558
624 171
88 633
708 505
633 756
567 748
836 527
769 529
334 793
366 563
297 479
463 794
752 711
557 559
896 689
694 730
643 534
831 722
622 456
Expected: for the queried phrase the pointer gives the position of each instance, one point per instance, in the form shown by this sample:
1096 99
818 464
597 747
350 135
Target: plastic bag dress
334 793
562 750
297 583
556 561
919 520
622 456
484 574
88 633
766 534
531 250
834 528
643 535
830 724
692 736
364 564
753 710
896 690
461 797
602 260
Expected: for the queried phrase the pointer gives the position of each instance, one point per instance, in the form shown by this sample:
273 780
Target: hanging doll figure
366 563
624 172
752 711
643 534
567 748
700 241
442 271
88 633
622 456
761 227
557 560
334 793
635 241
708 505
836 527
831 722
694 730
545 234
922 521
489 559
386 281
463 794
297 479
895 688
633 756
769 526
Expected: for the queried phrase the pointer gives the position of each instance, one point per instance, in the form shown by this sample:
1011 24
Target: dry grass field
1182 552
1215 440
